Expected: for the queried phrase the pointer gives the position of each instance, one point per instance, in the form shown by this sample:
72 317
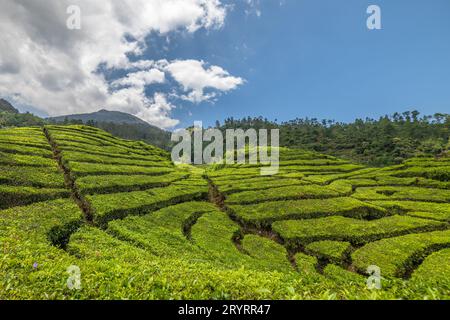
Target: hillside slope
120 124
139 227
102 116
5 106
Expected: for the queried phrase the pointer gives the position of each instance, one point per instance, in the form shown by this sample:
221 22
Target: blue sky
308 58
191 60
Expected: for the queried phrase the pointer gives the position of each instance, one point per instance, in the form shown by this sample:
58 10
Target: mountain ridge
5 106
102 115
120 124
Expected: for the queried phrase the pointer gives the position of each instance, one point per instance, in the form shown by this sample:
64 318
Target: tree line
377 142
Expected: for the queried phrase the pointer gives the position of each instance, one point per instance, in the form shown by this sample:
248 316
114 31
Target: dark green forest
377 142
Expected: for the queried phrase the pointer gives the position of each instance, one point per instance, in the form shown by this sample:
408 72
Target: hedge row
106 138
339 228
334 251
332 168
283 193
49 222
12 196
435 270
256 184
328 178
44 177
102 184
10 159
25 150
151 161
438 173
398 256
403 193
163 232
81 169
438 211
268 212
118 205
267 254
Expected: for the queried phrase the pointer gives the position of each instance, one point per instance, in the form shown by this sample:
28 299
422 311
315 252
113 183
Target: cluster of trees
8 119
385 141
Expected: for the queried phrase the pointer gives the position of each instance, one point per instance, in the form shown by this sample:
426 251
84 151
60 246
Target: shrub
438 211
434 270
11 196
335 251
268 212
44 177
80 169
283 193
118 205
20 160
398 256
402 193
339 228
102 184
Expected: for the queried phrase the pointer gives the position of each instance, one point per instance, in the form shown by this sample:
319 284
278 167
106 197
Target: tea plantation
139 227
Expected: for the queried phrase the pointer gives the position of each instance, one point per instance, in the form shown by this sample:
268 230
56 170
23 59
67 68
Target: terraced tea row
328 215
31 175
140 227
111 187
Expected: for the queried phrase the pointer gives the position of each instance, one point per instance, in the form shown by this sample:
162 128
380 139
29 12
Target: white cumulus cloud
56 70
195 78
141 78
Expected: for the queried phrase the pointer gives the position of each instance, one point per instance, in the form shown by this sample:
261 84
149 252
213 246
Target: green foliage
386 141
438 211
25 150
43 177
268 254
435 269
397 256
91 136
80 169
239 185
306 209
102 184
334 251
402 193
282 193
165 232
121 125
11 196
19 120
141 228
92 158
19 160
339 228
306 264
6 107
213 233
118 205
438 173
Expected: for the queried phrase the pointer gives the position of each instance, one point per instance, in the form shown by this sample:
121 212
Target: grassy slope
307 233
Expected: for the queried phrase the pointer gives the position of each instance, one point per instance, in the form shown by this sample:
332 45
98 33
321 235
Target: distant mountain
102 116
5 106
120 124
